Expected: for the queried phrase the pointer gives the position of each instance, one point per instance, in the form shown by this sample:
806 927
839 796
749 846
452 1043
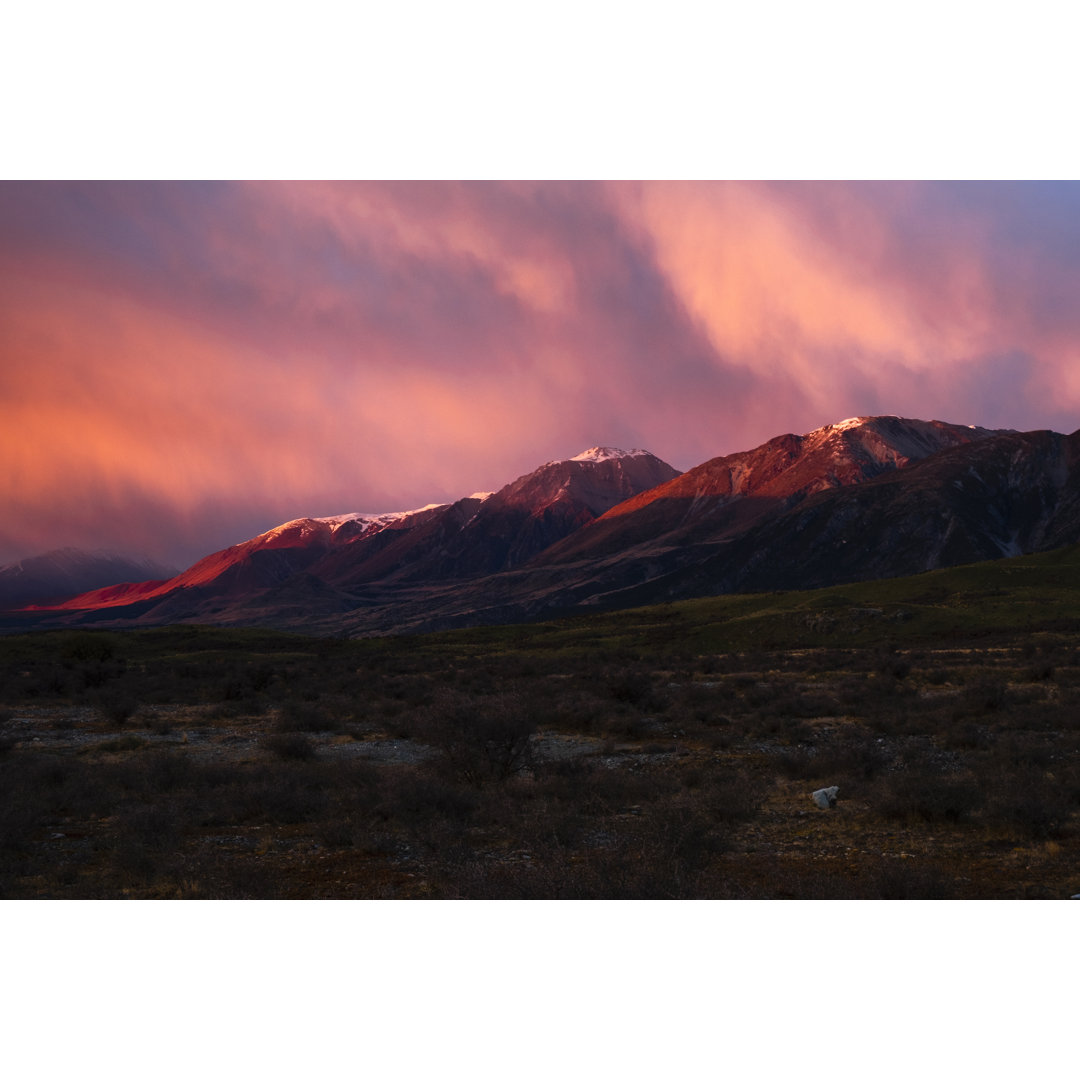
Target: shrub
148 826
632 688
415 799
983 696
281 796
168 770
121 745
731 795
1032 803
893 666
1038 671
302 716
910 879
340 833
627 726
931 798
87 646
289 746
117 707
481 739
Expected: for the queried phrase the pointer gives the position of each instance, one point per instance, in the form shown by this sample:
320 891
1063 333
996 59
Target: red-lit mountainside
1010 495
266 560
505 529
998 496
866 498
63 573
303 567
727 494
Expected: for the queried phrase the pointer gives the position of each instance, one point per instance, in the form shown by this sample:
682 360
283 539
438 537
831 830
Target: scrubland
668 752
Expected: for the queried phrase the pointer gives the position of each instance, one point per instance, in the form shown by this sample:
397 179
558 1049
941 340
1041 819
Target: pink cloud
183 364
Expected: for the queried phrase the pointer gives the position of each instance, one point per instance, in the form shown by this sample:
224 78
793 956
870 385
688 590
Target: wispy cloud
185 364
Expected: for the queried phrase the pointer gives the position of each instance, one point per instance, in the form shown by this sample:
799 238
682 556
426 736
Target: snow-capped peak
481 495
607 453
311 525
375 519
850 422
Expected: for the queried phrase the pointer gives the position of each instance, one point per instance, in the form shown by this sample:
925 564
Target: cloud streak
182 365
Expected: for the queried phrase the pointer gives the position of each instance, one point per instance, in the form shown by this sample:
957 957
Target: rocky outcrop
825 798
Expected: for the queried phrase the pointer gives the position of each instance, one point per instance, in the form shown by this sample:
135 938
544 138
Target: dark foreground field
669 752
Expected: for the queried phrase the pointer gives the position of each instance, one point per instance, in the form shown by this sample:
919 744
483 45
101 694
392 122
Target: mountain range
868 497
62 573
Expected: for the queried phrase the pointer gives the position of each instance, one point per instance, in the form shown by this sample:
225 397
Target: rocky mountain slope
314 566
727 494
981 495
870 497
505 529
995 497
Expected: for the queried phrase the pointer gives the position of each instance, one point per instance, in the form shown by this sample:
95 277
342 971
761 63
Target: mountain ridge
866 497
785 468
66 572
480 534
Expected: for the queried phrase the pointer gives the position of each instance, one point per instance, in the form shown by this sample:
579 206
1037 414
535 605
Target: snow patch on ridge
848 424
336 522
308 525
607 453
375 519
853 422
821 434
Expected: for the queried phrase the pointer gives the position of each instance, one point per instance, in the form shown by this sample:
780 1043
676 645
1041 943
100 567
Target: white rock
825 798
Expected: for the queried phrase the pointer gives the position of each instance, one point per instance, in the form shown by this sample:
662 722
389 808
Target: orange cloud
184 365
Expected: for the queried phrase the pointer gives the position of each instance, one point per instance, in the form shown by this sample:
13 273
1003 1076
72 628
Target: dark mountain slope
1001 496
726 495
469 538
263 561
58 575
865 499
507 528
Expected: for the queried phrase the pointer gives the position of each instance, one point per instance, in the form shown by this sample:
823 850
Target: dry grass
276 767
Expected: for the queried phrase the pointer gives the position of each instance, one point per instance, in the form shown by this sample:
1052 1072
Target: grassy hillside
1027 594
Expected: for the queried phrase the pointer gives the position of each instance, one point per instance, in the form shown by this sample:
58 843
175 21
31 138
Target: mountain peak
883 422
309 526
892 422
608 453
853 422
865 496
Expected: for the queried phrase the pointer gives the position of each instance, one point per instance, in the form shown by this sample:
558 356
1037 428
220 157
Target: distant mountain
265 560
1010 495
62 573
997 496
727 494
324 561
505 529
869 497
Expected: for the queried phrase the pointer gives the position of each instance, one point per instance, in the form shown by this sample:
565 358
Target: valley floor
198 764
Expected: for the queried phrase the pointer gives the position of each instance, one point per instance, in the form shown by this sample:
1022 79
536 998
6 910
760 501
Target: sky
184 365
